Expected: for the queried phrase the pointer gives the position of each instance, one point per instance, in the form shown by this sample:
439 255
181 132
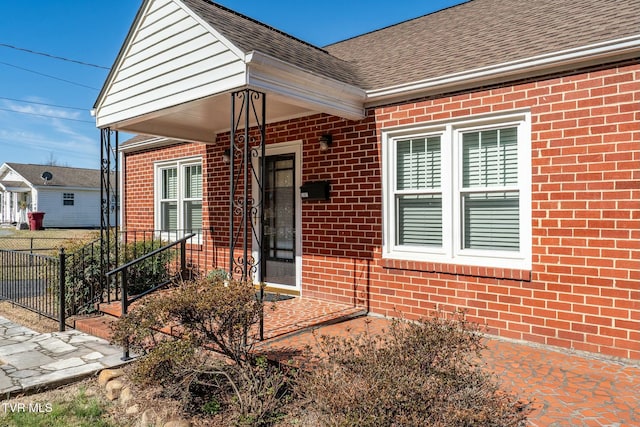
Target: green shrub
426 373
148 273
84 275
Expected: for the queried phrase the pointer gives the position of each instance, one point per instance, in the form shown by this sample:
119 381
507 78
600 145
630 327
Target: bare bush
207 314
417 374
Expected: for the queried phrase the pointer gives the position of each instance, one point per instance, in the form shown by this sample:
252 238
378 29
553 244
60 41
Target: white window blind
169 202
170 183
193 181
489 195
418 193
459 192
193 197
180 197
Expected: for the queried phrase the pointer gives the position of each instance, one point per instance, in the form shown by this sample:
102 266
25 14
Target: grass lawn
42 241
78 405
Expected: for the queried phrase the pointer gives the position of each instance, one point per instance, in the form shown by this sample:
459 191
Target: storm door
279 248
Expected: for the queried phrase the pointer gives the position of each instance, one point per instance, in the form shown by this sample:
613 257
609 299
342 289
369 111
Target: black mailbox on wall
315 190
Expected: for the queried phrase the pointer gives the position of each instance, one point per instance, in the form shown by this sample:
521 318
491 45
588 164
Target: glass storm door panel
280 220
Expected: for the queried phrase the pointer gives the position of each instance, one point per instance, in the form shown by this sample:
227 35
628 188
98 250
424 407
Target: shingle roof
471 35
482 33
62 176
250 35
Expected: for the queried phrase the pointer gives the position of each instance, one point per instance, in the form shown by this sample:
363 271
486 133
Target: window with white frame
179 196
459 192
68 199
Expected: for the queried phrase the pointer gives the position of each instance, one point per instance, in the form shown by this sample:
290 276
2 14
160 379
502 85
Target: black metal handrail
123 270
182 241
125 267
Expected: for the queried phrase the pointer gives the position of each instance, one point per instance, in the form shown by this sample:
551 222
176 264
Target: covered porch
197 73
192 73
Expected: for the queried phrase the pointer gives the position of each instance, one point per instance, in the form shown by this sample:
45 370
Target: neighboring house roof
62 176
481 33
17 184
14 186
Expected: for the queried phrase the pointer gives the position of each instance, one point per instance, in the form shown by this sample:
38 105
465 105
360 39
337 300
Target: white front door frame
295 148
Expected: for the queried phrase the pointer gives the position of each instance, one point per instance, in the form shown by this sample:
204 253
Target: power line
43 103
47 75
61 58
47 115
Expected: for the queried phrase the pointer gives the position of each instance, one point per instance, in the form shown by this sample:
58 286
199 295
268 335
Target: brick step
112 309
98 326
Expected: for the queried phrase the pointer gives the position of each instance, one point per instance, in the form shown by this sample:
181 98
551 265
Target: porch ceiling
202 119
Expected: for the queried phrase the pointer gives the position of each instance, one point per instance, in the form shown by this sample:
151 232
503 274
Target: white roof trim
15 189
588 55
304 88
152 142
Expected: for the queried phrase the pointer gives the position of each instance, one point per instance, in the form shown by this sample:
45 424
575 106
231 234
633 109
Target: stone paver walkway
567 389
30 360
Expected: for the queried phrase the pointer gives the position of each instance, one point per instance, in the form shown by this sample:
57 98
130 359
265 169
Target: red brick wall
340 234
139 177
582 291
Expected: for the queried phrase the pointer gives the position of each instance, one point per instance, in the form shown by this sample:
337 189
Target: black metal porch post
109 190
247 153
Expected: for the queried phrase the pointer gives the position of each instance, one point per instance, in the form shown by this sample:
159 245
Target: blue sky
34 128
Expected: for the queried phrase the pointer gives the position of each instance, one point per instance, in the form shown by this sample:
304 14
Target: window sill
463 270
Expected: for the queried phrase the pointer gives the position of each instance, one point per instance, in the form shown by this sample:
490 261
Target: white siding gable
172 57
12 176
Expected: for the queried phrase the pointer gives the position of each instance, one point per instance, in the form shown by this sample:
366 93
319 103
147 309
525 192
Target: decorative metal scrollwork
108 193
247 153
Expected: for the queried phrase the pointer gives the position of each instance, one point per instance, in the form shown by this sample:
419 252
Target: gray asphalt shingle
482 33
62 176
471 35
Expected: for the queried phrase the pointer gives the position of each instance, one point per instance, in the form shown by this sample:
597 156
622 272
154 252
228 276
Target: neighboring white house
69 197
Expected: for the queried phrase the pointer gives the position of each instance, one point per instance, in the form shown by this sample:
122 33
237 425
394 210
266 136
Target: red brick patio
568 389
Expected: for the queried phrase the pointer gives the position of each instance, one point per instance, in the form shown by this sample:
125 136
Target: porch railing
157 268
140 244
72 283
153 271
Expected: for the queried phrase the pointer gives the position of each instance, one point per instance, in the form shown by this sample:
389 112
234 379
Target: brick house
485 157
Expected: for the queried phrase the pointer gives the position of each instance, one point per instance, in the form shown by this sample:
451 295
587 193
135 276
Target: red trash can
35 220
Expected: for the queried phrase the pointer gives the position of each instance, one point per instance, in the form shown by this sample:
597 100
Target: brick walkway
567 389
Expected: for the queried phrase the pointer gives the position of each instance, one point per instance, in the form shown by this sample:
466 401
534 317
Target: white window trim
68 197
451 251
179 164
